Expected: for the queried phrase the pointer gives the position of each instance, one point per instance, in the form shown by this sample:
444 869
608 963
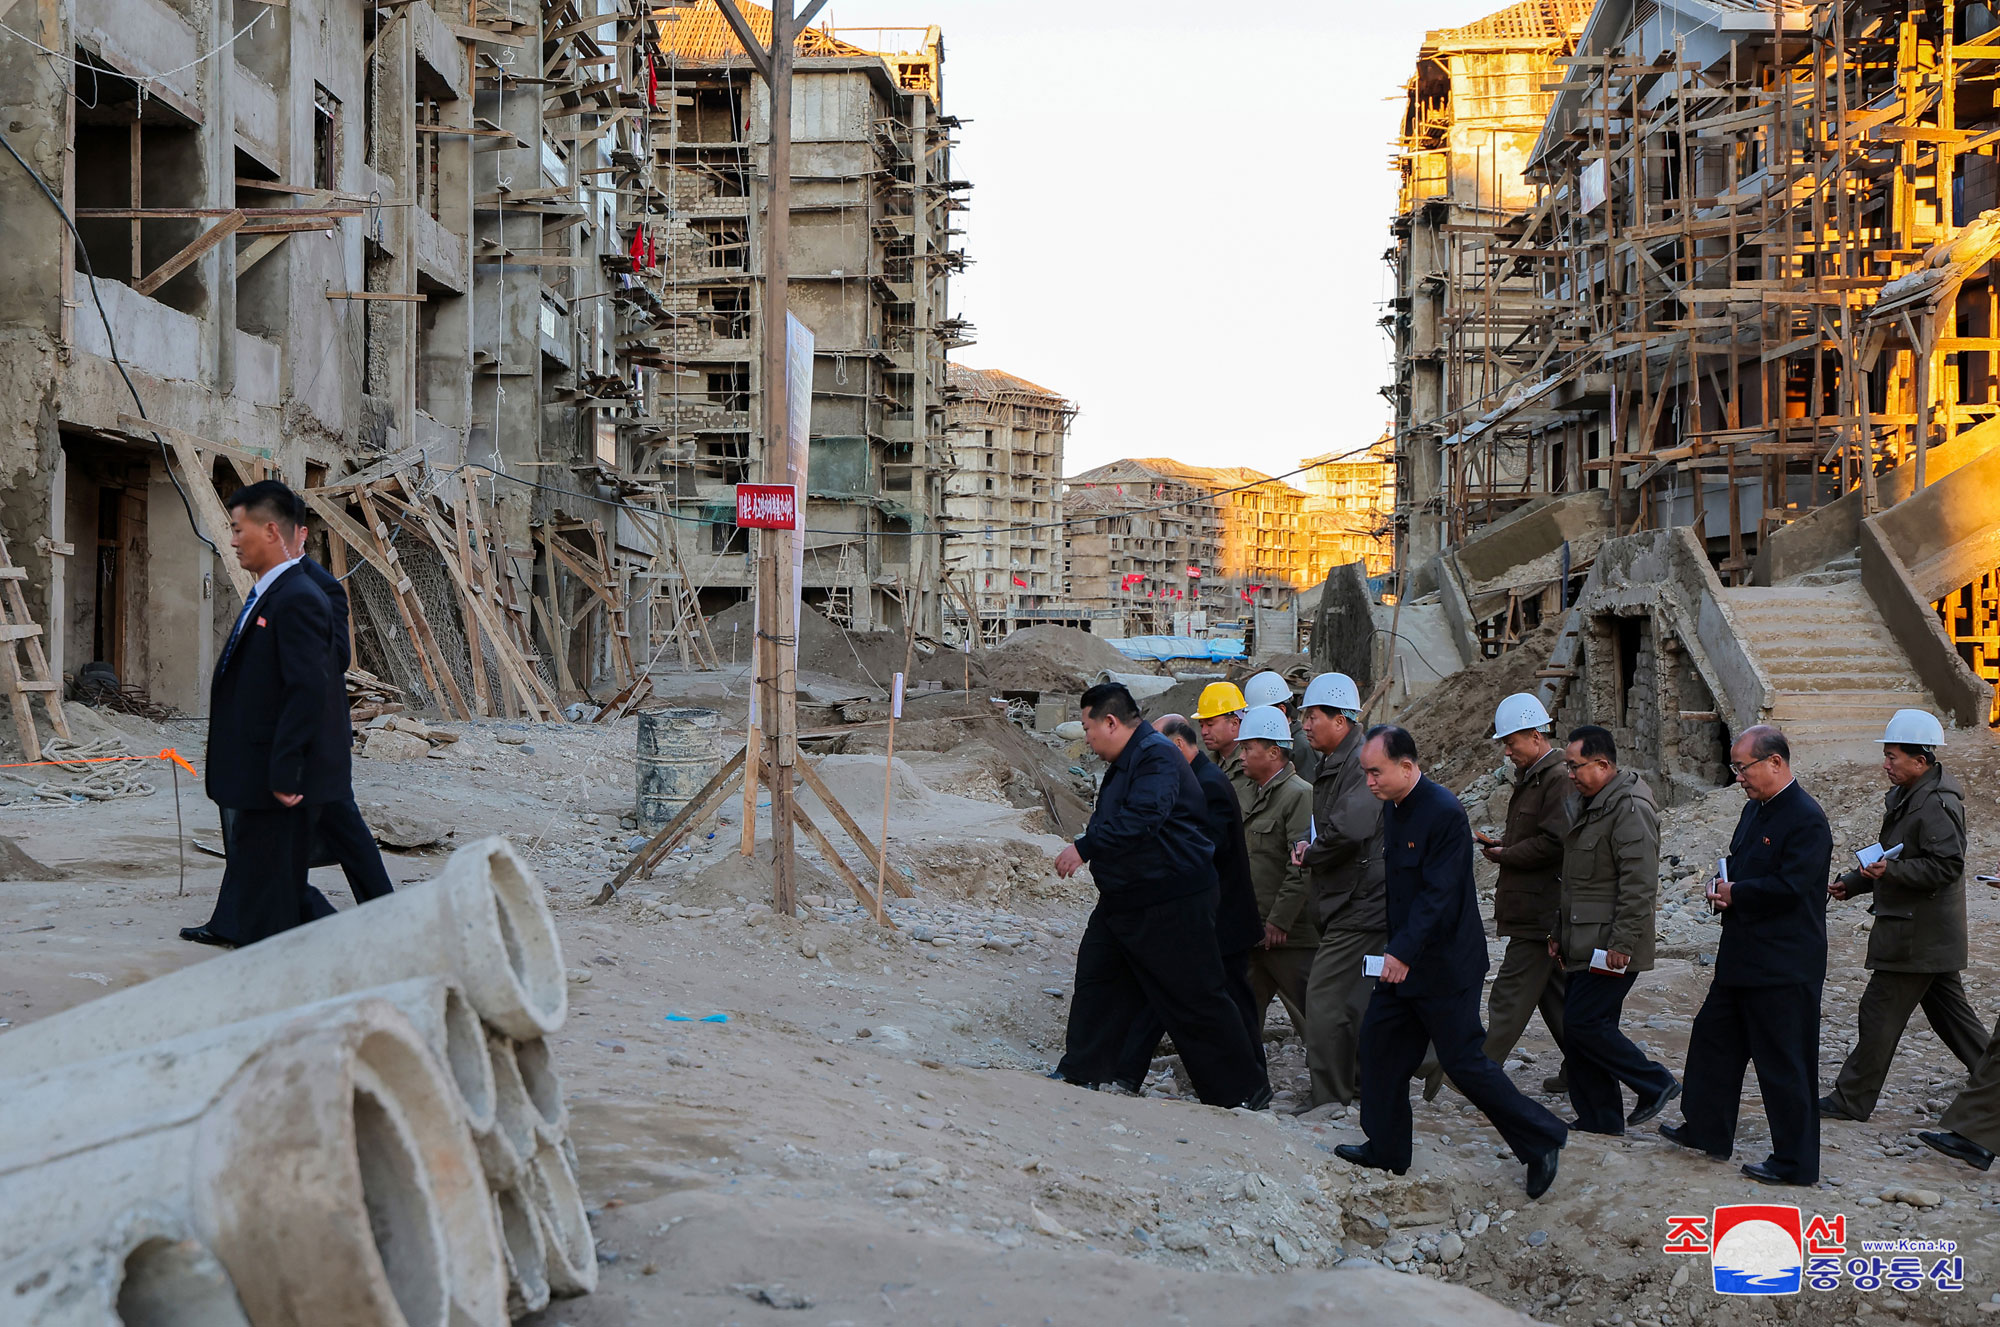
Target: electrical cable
83 253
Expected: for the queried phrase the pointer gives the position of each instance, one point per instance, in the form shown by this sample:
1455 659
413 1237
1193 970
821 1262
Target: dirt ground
869 1137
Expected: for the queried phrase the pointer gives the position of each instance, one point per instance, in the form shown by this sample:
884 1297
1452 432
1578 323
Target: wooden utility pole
777 630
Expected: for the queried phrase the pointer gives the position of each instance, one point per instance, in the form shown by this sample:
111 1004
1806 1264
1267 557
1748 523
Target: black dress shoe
1831 1109
1961 1147
1578 1126
201 935
1761 1172
1542 1172
1260 1099
1433 1081
1677 1133
1652 1106
1363 1154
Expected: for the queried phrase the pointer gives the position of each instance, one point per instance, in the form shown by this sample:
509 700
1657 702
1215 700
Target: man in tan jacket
1279 815
1917 947
1604 936
1529 891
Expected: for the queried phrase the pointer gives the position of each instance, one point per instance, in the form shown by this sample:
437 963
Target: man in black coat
1763 1004
277 751
343 837
1238 925
1433 971
1151 938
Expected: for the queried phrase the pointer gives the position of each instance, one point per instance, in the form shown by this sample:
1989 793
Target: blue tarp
1176 647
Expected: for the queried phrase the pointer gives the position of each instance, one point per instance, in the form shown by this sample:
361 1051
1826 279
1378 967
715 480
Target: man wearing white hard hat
1917 946
1343 859
1269 688
1528 896
1280 815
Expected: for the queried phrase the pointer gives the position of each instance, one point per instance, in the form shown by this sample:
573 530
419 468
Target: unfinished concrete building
872 204
1351 507
1461 323
1003 502
480 281
1762 242
1132 535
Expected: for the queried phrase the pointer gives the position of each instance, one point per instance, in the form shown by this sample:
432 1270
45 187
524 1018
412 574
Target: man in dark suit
1763 1004
276 750
1151 938
1238 927
343 837
1433 971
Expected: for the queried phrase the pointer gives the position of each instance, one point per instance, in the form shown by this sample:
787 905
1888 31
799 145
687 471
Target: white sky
1179 210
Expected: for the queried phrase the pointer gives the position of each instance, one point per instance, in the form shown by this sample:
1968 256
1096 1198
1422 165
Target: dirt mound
1453 724
1025 771
1052 659
868 657
721 884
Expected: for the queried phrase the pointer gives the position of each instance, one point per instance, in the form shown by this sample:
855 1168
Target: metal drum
677 757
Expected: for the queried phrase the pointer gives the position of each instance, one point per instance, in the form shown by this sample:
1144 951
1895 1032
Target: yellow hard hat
1220 698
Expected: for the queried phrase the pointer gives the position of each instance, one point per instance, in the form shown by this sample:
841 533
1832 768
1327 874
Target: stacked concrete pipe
353 1122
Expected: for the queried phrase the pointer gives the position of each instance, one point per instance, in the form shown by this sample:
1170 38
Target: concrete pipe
318 1152
482 924
510 1144
526 1256
143 1270
550 1186
544 1088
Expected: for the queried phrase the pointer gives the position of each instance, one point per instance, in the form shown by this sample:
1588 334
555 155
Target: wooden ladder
18 628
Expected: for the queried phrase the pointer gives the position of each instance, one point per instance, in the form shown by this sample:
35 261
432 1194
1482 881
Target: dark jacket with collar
1237 924
1774 929
1433 907
1345 859
1529 892
336 600
1919 903
1148 837
1611 875
271 728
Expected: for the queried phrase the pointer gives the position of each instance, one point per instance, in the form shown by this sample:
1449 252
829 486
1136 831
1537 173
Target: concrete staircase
1838 672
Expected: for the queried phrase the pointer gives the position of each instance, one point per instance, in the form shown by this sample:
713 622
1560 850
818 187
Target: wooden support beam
839 812
662 842
190 255
256 252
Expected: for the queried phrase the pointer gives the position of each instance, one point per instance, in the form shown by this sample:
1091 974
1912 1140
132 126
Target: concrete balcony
141 36
699 417
259 129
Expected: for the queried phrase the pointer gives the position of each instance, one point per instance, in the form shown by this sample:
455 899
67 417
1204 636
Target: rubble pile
358 1116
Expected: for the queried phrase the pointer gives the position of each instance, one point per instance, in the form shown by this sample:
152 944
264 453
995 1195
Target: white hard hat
1914 728
1519 711
1334 691
1267 688
1267 722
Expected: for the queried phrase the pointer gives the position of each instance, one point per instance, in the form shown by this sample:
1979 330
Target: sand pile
868 657
1052 659
1453 725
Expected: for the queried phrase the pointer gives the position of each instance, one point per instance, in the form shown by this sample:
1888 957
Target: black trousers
264 888
1394 1034
1600 1055
1137 1057
1777 1029
345 840
1165 957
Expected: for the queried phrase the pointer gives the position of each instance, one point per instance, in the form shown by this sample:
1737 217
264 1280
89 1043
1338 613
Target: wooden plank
861 840
839 864
200 489
190 255
376 295
197 213
257 251
437 670
690 814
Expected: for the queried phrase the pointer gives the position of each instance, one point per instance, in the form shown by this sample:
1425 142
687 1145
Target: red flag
638 250
1018 581
653 83
1245 596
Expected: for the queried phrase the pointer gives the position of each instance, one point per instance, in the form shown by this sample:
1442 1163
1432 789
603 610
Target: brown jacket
1239 779
1278 818
1529 894
1345 859
1611 874
1919 902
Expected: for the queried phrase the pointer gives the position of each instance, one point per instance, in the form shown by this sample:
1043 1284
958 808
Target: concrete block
395 744
144 1268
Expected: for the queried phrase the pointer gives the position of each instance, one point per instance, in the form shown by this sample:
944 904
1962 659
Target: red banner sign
1194 573
767 506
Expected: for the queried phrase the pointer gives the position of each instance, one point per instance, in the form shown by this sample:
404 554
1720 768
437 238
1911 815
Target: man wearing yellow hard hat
1220 715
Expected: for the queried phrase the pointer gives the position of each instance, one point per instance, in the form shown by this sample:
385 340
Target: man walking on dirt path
1604 934
1763 1005
1343 862
1238 928
1917 946
1530 857
1279 816
1432 968
1151 938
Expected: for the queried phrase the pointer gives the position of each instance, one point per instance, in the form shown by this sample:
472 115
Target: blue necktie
230 648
